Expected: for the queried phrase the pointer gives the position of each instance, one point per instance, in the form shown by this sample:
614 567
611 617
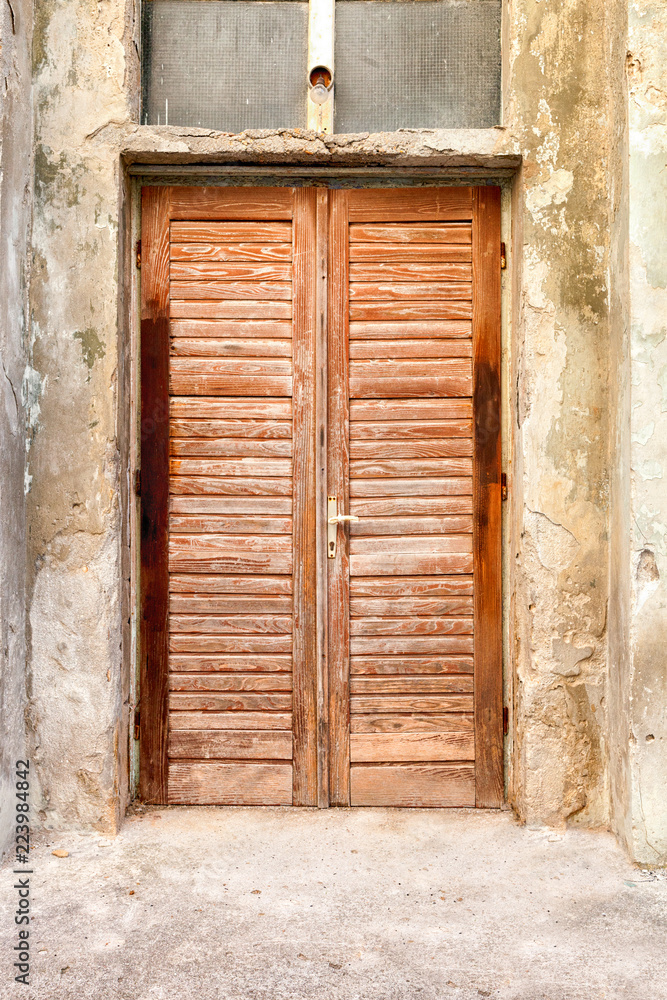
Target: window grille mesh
224 64
420 64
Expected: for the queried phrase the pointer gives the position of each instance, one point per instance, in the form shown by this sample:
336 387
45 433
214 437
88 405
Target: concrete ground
338 905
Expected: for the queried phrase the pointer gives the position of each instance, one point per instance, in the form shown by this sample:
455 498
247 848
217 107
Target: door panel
240 695
414 587
299 342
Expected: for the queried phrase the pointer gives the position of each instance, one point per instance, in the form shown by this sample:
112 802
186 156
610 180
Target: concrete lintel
484 149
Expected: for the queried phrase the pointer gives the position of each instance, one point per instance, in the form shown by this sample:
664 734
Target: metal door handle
333 520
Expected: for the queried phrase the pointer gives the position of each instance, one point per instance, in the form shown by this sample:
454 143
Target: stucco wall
645 807
15 385
565 124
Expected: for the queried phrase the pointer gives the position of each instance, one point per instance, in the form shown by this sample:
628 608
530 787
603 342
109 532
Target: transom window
332 65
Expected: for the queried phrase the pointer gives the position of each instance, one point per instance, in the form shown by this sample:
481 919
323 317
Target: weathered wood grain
250 721
244 663
207 347
234 309
259 467
229 203
205 744
381 234
257 231
221 329
416 586
247 430
370 386
416 487
383 747
428 205
364 703
409 564
408 625
425 785
200 485
231 702
410 525
231 624
397 644
391 291
408 430
410 409
260 252
215 681
418 271
407 685
411 507
229 604
188 643
432 544
201 584
428 448
404 605
217 783
250 408
230 505
413 723
254 291
182 523
229 447
405 665
410 330
393 311
417 253
395 349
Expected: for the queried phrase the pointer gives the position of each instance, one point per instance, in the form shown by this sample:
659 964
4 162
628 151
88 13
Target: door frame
487 321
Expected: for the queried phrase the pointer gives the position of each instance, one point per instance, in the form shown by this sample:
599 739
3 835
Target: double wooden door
306 353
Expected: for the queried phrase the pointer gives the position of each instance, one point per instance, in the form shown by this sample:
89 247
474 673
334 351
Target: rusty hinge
137 482
137 724
137 250
503 257
503 486
506 720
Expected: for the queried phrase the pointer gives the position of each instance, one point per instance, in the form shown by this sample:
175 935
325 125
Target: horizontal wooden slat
396 606
212 486
404 665
383 368
413 723
215 681
257 231
429 448
376 645
230 505
379 291
232 624
369 349
409 564
212 561
223 271
410 330
189 643
363 703
255 291
231 251
454 745
216 783
243 663
419 204
431 544
231 743
251 721
407 430
425 232
235 604
366 469
230 203
231 702
260 467
246 430
230 543
410 409
406 685
393 311
410 252
410 525
234 309
433 487
425 785
183 584
246 409
408 625
219 329
258 367
417 586
369 386
230 525
207 347
419 271
394 507
208 384
230 447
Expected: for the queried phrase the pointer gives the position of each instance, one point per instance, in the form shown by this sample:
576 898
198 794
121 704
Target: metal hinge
503 486
137 724
506 720
503 257
137 482
137 250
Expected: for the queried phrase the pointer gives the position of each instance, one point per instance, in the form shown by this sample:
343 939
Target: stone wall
562 158
15 385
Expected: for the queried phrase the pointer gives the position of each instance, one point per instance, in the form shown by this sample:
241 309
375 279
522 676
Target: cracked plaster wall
640 805
15 209
564 123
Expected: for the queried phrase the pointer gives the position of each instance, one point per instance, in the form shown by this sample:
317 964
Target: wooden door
228 689
240 390
414 430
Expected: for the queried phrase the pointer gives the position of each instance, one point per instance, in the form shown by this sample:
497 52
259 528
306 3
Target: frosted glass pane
421 64
224 64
